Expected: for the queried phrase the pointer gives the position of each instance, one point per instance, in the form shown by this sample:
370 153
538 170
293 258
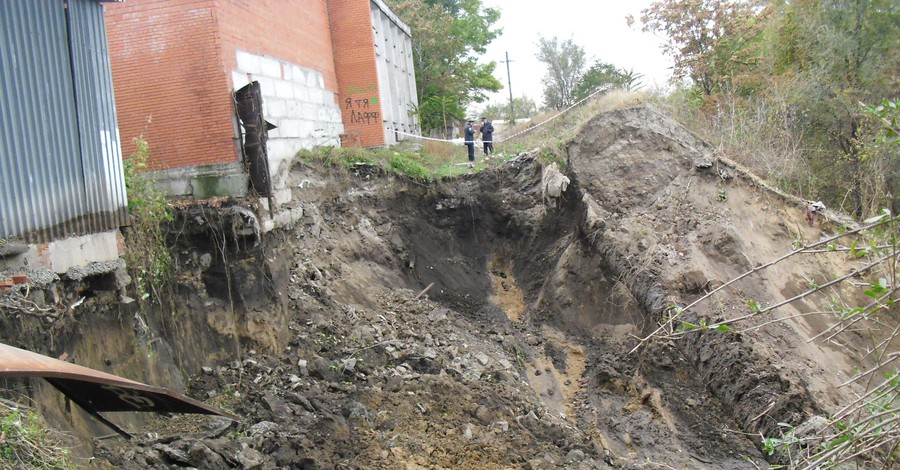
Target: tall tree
709 40
565 63
606 76
851 54
447 38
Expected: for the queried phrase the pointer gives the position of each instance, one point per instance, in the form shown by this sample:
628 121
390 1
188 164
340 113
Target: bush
146 256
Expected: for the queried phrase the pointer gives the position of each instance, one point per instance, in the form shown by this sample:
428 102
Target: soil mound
471 323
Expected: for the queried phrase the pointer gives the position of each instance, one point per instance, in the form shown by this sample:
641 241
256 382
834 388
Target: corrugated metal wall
61 165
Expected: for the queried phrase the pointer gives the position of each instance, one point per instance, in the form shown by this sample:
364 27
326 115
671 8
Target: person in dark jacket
487 136
470 140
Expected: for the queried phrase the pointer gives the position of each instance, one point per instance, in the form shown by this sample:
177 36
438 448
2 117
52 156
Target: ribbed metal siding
59 174
98 129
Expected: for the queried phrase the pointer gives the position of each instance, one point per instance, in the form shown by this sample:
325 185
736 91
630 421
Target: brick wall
175 60
167 63
294 31
354 59
286 45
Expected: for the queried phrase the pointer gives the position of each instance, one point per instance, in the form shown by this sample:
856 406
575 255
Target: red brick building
331 72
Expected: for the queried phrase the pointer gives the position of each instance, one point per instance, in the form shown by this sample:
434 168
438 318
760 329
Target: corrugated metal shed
60 157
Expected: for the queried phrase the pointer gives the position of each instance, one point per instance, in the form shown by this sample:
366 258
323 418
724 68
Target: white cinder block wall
295 100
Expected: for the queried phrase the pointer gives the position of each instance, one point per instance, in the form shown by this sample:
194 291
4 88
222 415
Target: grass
423 163
551 138
26 442
429 160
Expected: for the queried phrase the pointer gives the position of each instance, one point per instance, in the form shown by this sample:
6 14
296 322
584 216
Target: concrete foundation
61 256
202 182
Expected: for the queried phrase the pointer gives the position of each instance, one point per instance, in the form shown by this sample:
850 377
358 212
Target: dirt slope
518 355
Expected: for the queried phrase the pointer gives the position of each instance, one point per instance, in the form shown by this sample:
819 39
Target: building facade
61 171
324 79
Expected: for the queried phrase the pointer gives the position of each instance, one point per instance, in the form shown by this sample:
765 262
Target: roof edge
393 16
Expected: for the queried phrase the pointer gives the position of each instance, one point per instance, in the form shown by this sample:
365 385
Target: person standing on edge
487 136
470 141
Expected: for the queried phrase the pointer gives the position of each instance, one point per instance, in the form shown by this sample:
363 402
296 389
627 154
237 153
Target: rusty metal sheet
97 391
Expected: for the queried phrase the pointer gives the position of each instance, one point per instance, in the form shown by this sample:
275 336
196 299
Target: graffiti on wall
361 108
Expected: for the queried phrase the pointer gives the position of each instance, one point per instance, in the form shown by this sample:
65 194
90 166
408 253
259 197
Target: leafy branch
678 312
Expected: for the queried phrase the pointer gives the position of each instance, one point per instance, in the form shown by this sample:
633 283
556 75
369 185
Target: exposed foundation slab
203 181
60 256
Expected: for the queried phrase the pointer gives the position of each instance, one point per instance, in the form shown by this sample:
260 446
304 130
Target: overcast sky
597 25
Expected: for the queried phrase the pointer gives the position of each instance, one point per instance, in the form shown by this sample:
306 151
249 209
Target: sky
597 25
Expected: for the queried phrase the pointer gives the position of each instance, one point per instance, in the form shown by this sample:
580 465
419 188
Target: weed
27 442
433 161
866 427
147 256
404 165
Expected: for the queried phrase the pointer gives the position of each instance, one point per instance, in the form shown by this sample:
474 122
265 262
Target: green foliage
877 146
26 442
344 157
777 86
567 81
405 165
429 163
448 36
565 63
603 76
523 106
711 41
146 256
440 112
785 445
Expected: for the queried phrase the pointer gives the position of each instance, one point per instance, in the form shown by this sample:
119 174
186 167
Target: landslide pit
323 337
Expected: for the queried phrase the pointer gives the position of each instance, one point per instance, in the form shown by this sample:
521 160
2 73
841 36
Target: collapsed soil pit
322 335
498 365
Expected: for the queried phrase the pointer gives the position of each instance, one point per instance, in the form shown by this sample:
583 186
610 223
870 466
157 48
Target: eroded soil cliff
471 323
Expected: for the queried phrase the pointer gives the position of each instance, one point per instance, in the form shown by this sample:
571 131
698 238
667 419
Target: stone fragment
262 427
575 456
483 358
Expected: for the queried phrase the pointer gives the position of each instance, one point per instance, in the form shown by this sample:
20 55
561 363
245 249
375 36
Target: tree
565 63
524 107
605 76
789 75
447 36
839 53
710 40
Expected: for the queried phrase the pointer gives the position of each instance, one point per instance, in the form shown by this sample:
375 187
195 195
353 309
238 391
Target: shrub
146 256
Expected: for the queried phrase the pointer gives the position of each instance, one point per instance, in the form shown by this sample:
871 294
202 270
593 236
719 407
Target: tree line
803 91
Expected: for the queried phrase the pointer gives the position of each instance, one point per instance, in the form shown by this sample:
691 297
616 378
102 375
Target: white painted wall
294 99
396 75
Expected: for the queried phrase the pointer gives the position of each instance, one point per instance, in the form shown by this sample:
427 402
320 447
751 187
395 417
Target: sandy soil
519 355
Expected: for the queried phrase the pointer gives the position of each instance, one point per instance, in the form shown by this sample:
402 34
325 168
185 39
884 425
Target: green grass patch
433 160
27 442
429 162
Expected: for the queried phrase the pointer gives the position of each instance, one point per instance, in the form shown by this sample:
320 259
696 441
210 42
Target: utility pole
512 112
